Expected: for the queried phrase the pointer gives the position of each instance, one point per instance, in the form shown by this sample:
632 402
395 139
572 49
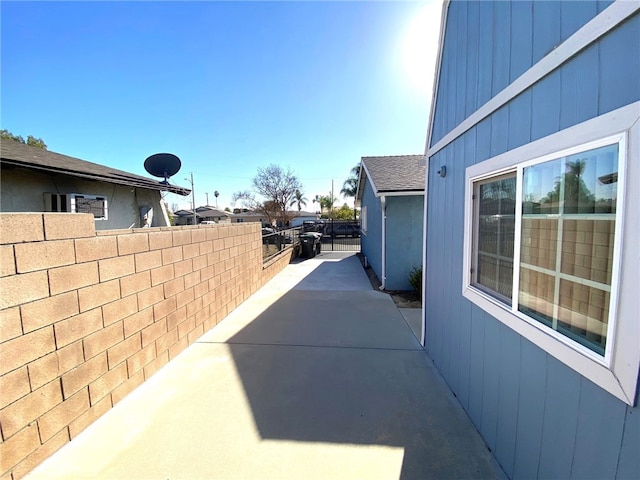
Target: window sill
580 359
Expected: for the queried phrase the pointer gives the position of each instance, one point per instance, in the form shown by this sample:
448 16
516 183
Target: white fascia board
609 18
407 193
363 168
436 76
361 173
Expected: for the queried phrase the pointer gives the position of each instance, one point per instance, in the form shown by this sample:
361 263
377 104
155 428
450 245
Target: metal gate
340 236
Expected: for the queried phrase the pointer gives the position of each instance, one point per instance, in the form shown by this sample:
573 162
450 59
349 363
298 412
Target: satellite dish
162 165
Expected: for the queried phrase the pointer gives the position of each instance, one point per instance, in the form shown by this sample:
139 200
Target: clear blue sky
226 86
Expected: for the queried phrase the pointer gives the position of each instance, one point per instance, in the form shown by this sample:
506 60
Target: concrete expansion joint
305 345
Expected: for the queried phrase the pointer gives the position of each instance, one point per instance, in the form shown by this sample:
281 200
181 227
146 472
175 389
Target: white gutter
383 203
404 193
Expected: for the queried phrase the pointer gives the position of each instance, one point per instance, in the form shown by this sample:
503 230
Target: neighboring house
298 218
203 214
185 217
391 197
244 217
37 180
532 227
211 214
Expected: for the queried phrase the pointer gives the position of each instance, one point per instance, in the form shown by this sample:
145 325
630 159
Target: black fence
273 242
337 235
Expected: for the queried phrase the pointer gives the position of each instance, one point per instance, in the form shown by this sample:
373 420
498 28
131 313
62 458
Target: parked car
343 230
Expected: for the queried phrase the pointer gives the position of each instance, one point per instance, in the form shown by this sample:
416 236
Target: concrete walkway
315 376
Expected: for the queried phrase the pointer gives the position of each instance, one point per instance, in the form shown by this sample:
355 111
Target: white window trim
617 373
71 203
363 219
105 208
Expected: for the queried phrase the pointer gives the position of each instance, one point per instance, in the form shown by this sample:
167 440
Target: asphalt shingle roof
25 156
398 173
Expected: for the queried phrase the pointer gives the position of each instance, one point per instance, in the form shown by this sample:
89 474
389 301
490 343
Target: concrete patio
315 376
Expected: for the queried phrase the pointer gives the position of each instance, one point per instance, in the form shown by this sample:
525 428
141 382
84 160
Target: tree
31 140
345 212
577 196
327 202
36 142
350 185
275 185
300 200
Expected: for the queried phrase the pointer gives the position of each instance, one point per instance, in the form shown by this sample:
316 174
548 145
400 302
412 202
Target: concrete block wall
86 317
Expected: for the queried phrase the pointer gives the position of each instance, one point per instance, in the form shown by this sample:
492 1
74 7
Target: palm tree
299 199
350 187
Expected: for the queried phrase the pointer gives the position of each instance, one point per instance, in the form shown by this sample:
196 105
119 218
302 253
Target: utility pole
193 200
331 215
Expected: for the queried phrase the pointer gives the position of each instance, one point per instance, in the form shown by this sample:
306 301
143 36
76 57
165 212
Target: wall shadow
342 366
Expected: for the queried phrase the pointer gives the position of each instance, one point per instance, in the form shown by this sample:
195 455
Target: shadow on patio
315 376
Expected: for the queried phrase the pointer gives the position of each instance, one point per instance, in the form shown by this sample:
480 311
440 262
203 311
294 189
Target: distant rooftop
19 155
400 173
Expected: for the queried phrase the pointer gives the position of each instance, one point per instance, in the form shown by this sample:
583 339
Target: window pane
495 235
591 180
541 184
587 249
567 242
539 242
583 314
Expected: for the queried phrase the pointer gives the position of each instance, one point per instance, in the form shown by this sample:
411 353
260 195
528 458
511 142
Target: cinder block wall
86 317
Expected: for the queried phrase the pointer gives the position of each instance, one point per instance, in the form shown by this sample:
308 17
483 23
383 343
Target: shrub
415 278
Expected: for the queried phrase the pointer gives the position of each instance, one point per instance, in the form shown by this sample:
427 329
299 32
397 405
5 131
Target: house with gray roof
203 214
390 195
37 180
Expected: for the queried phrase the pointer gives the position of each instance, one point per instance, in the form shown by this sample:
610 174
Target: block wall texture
86 317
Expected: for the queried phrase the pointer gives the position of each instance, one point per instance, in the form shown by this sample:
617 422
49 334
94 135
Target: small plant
415 279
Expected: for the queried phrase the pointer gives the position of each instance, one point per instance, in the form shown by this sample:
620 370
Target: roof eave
127 181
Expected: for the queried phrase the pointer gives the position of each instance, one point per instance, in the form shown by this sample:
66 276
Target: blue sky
226 86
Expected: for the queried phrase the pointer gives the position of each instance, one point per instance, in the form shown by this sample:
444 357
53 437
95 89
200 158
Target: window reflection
567 242
496 233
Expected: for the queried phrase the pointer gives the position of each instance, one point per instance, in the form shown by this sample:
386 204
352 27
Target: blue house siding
404 239
371 242
501 40
539 417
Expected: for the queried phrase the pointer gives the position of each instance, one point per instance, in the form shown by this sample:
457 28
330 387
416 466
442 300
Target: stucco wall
21 190
404 239
86 317
540 418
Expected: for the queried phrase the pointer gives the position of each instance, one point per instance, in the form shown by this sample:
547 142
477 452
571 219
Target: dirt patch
402 298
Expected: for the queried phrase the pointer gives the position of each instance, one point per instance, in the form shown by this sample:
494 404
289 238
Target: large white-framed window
551 237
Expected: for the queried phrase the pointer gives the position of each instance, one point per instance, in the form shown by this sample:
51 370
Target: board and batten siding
539 417
371 241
